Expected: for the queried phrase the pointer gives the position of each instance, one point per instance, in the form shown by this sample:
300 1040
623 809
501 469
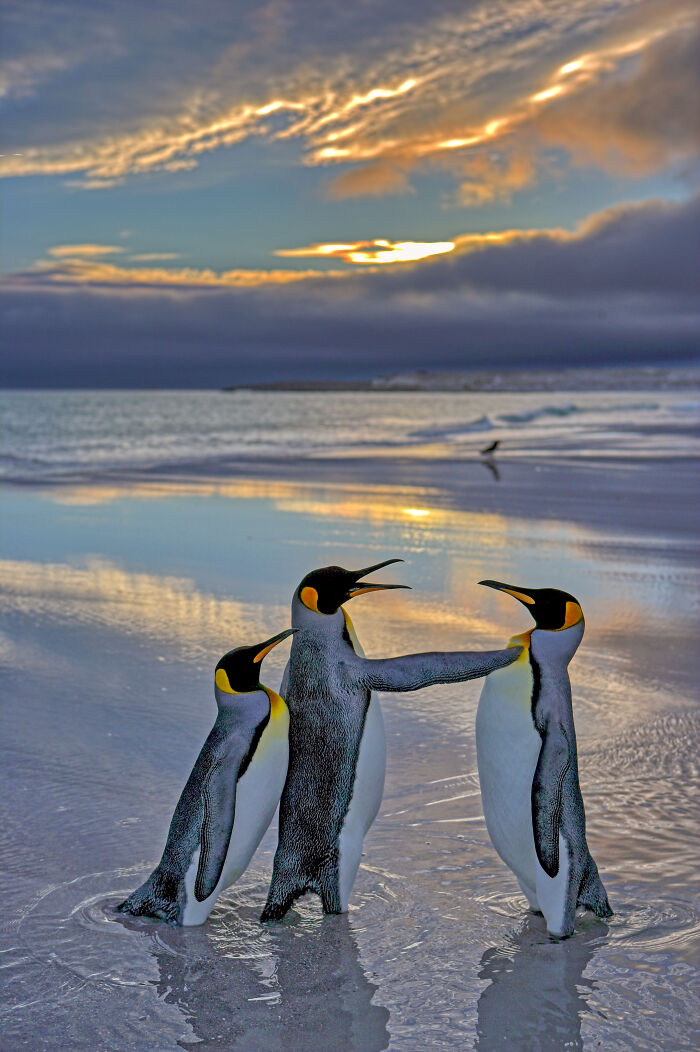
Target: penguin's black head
324 591
552 610
238 672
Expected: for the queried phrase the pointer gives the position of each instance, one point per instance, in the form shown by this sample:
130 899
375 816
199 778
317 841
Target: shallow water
117 601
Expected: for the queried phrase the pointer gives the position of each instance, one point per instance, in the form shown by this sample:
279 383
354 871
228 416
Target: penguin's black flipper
219 810
547 786
423 670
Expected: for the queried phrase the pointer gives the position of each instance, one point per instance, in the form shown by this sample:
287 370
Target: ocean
56 434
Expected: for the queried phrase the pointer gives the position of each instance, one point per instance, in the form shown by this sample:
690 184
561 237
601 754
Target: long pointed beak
361 589
271 643
520 594
374 588
359 574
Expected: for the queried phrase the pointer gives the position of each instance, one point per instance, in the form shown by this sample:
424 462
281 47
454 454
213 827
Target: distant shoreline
631 378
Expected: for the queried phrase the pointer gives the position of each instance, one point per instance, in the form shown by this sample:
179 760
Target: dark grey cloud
623 290
645 249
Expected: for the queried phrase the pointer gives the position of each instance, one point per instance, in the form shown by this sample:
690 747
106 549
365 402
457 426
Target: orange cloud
370 256
371 180
632 124
84 268
153 257
84 271
490 175
594 105
417 101
377 251
83 251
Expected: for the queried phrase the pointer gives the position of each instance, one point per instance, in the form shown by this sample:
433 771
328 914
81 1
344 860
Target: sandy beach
120 592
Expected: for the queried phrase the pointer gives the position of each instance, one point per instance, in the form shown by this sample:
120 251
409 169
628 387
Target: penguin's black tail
592 894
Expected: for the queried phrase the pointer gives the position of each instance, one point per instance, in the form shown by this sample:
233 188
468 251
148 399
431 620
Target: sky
196 195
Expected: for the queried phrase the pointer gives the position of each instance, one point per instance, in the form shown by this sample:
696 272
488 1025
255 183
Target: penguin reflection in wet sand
337 752
528 767
229 799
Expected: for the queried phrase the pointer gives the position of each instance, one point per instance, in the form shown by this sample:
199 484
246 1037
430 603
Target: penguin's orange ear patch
221 680
309 597
572 615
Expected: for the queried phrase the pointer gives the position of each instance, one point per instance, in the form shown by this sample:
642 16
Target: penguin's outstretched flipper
423 670
547 786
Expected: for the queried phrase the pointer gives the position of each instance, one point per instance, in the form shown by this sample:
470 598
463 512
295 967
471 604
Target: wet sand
119 595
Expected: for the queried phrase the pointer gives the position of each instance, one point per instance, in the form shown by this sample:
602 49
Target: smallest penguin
229 799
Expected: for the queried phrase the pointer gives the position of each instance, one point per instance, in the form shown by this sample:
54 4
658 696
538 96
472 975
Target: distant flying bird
490 449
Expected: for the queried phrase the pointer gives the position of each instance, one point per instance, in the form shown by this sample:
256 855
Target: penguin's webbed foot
274 913
593 895
277 909
141 903
287 885
330 901
602 909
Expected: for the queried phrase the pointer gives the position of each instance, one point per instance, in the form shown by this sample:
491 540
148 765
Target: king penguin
528 766
337 751
230 796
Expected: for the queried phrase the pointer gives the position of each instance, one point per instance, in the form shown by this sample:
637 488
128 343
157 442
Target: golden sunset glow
330 179
378 93
83 271
84 251
548 93
163 609
80 264
377 251
373 122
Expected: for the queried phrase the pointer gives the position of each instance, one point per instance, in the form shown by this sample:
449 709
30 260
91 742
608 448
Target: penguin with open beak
337 751
528 766
230 796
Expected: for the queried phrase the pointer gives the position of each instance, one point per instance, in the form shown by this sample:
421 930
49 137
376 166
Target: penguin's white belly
507 750
366 798
257 796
